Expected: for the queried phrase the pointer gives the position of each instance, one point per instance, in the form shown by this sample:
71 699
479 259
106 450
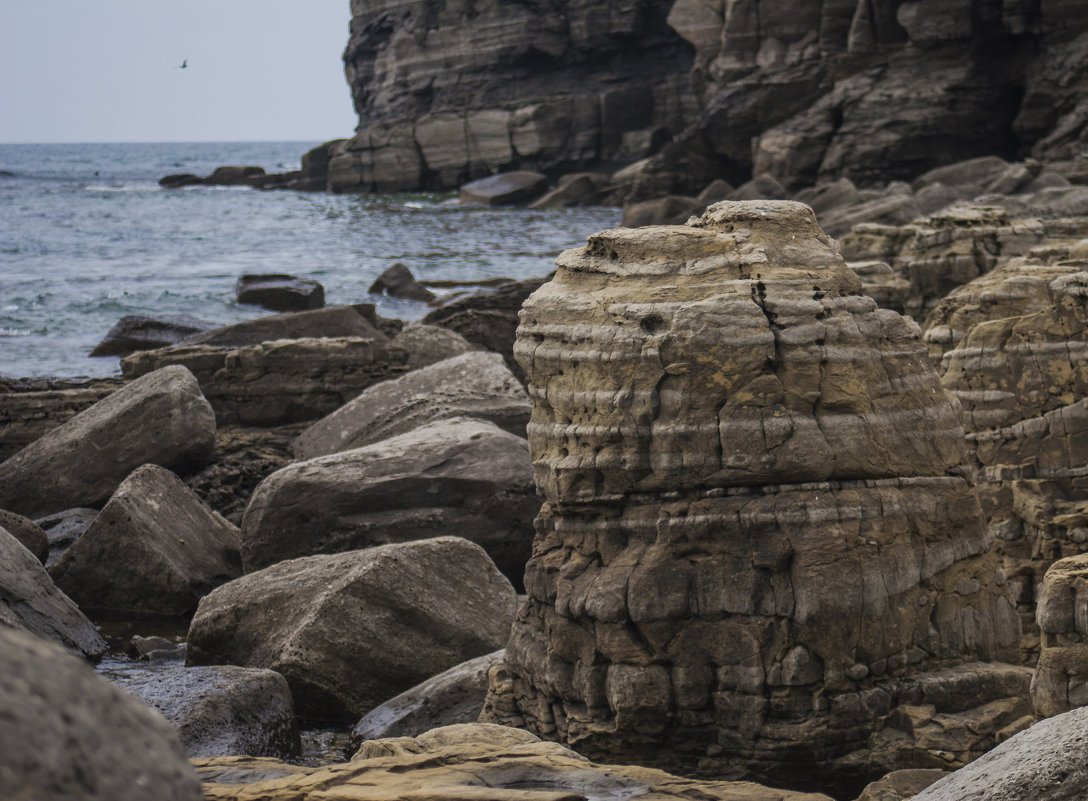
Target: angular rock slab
758 542
279 292
218 711
29 600
68 733
476 384
155 548
463 477
469 762
161 418
349 631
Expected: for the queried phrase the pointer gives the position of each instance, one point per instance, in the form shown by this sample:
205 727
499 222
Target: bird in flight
184 64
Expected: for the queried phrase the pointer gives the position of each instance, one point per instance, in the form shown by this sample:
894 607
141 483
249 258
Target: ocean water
87 236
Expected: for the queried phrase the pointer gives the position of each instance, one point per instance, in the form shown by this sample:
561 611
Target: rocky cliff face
805 90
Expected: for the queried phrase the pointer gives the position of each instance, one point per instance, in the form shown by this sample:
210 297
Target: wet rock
349 631
1046 761
468 761
30 601
281 381
134 332
233 176
453 696
29 534
279 292
68 733
218 711
475 384
162 418
458 476
427 344
64 528
398 282
331 322
154 548
505 189
755 427
1061 676
178 180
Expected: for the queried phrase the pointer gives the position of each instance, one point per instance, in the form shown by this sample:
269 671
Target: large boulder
349 631
29 600
69 734
460 476
218 711
154 548
30 534
476 384
134 332
453 696
162 418
723 428
463 762
279 292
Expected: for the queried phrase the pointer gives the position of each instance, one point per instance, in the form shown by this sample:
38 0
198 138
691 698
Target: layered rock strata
1061 676
759 547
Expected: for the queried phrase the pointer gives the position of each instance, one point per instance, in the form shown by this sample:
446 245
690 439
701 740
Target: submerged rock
723 429
279 292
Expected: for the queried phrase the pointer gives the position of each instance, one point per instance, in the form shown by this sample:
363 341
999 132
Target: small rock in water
279 292
398 282
505 189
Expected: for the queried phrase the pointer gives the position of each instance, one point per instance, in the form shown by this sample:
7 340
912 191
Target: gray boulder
427 344
462 477
453 696
476 384
1043 763
29 533
155 548
135 332
333 321
68 734
398 282
505 189
29 600
349 631
161 418
279 292
218 711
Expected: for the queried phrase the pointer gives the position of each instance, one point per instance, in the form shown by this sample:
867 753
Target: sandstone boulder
475 384
134 332
69 734
722 427
349 631
162 418
427 344
29 600
29 534
459 476
453 696
1061 676
332 322
279 292
154 548
218 711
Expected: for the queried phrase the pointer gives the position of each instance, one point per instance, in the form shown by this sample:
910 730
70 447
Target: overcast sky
108 70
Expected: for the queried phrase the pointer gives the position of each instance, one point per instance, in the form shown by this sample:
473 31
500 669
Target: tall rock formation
759 555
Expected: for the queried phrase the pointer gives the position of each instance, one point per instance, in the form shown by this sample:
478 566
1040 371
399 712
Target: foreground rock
459 476
281 381
154 548
162 418
69 734
476 384
29 600
471 762
349 631
723 427
1044 762
218 711
133 333
452 697
279 292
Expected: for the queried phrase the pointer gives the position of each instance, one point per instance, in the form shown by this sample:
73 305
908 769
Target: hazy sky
107 70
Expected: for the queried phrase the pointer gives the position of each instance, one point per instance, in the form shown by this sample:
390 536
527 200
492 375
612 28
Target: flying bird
184 64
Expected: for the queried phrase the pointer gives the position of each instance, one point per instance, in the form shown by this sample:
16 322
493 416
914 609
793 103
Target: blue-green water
87 236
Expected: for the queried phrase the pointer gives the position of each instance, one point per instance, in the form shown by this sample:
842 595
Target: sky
109 70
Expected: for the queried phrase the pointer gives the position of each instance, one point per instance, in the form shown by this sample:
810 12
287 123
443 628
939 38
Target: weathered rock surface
218 711
427 344
29 409
459 476
69 734
453 696
1061 676
279 292
1044 762
349 631
331 322
475 762
29 600
476 384
154 548
29 534
160 419
278 382
134 332
756 429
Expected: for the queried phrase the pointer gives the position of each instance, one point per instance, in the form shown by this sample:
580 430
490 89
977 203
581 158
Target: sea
87 236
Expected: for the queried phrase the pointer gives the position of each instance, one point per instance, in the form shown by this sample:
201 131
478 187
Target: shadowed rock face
758 546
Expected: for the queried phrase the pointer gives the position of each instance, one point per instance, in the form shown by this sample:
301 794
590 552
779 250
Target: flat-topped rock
279 292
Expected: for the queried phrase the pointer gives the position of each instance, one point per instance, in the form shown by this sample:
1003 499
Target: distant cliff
804 90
